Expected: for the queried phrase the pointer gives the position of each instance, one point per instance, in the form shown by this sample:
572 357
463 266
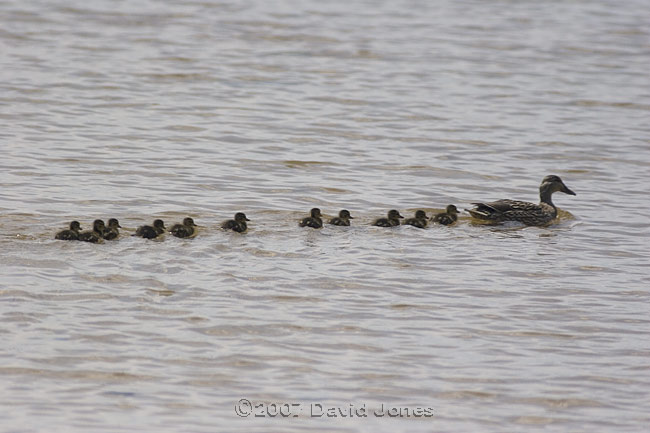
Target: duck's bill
567 190
247 219
351 217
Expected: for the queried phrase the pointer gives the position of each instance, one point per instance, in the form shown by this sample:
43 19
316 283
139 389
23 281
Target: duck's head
345 214
98 226
553 183
75 226
420 214
451 209
159 224
241 216
113 223
315 213
189 222
394 214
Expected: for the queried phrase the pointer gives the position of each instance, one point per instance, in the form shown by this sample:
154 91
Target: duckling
448 217
531 214
238 224
314 220
111 231
184 230
391 221
343 219
151 232
94 236
71 234
419 221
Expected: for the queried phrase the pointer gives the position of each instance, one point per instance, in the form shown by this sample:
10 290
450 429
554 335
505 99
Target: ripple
207 109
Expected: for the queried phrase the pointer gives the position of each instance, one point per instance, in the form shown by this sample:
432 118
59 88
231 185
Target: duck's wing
111 234
382 222
180 231
67 235
415 222
446 219
495 210
514 210
90 237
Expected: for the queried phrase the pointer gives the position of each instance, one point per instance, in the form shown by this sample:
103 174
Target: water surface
170 109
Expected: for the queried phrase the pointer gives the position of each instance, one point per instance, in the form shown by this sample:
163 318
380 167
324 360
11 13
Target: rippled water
199 108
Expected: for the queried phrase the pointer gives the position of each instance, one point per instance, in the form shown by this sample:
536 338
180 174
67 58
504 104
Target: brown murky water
171 109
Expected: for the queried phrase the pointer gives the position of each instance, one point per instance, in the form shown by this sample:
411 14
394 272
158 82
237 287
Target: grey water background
166 109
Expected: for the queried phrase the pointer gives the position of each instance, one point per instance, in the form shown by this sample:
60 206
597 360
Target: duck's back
444 218
111 234
312 222
182 231
338 221
67 235
235 226
514 210
146 232
416 222
385 222
92 237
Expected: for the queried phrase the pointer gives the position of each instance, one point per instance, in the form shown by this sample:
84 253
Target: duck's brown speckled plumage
419 220
392 219
343 219
71 234
238 224
185 230
151 232
96 235
448 217
532 214
314 219
111 231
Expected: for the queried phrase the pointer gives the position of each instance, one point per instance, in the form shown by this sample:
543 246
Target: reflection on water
204 109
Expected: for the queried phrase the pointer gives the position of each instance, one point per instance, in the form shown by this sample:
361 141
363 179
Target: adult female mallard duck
184 230
71 234
96 235
391 221
525 212
343 219
111 230
238 224
313 220
151 232
419 221
448 217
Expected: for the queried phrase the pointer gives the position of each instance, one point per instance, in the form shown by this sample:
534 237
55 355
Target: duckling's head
420 214
159 224
113 223
393 214
345 214
75 226
241 216
98 226
315 213
553 183
189 222
451 209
